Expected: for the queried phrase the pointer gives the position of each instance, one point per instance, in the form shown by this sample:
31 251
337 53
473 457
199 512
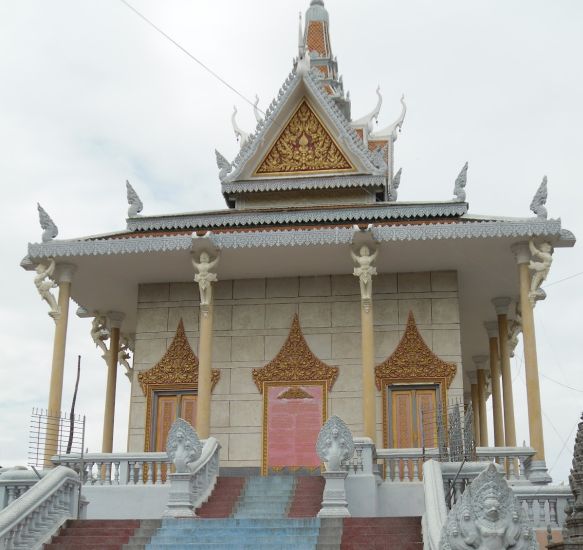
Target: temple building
314 293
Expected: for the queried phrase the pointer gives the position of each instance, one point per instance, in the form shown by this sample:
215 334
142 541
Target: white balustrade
405 465
515 460
33 517
544 505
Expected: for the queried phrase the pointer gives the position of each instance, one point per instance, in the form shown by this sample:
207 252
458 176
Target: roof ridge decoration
537 206
412 359
394 187
229 172
178 365
50 230
295 362
134 201
390 132
367 120
459 189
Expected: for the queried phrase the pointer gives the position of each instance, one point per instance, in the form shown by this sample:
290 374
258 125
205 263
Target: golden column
64 277
205 277
114 320
479 362
365 271
501 306
497 412
538 471
475 407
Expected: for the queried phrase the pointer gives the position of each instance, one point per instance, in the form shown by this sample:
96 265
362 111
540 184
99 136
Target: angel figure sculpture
44 285
204 276
335 444
365 270
124 356
183 446
99 333
541 268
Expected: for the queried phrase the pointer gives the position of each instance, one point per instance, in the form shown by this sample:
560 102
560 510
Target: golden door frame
176 371
412 363
294 365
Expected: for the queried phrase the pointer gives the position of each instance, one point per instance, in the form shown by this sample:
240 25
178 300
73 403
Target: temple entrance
169 406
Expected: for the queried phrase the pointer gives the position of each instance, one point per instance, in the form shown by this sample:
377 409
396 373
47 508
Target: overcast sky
90 96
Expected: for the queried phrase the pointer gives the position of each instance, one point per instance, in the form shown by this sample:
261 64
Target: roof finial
50 230
135 204
390 132
301 41
537 206
241 135
394 189
373 115
256 109
460 184
317 3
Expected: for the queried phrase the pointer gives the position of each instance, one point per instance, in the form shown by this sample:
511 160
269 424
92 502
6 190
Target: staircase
399 533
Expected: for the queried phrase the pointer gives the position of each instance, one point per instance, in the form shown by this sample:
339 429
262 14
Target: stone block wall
251 322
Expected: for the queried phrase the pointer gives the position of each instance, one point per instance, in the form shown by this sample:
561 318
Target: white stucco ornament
224 166
537 206
459 189
544 254
335 444
183 446
394 189
488 517
100 333
204 276
125 354
44 284
50 230
134 201
365 270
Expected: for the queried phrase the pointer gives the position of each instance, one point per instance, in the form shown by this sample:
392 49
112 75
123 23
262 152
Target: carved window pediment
295 362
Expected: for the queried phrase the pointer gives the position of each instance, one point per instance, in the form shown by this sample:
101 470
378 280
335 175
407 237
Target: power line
560 280
184 50
561 384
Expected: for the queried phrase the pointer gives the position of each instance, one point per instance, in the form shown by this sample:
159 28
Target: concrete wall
252 320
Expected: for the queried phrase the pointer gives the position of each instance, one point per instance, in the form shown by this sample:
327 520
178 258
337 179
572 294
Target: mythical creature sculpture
183 446
488 517
241 135
224 165
365 270
204 276
541 269
256 110
124 355
335 444
394 189
50 230
44 285
515 330
459 189
100 333
136 205
537 206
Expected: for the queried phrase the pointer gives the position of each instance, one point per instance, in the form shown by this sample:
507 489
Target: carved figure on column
335 444
515 330
44 285
124 355
204 276
183 446
365 270
488 517
541 268
100 333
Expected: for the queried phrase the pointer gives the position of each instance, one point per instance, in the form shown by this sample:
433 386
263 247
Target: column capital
64 272
491 328
480 361
521 252
501 305
115 318
473 377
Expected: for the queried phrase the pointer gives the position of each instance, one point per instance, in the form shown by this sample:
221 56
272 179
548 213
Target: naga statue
488 517
183 446
335 444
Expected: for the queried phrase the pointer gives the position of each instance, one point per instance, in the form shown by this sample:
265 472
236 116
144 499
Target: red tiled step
401 533
94 535
223 499
307 499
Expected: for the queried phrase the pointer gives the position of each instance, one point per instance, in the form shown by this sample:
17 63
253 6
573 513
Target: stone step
403 533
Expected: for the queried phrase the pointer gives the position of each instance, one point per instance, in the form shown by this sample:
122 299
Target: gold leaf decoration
295 362
304 146
413 361
179 365
295 392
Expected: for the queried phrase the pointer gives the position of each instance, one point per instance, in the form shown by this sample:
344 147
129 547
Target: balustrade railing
405 465
118 468
515 460
544 505
29 520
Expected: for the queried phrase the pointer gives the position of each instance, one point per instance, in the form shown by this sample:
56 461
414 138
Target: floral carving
414 361
295 362
178 366
295 392
304 146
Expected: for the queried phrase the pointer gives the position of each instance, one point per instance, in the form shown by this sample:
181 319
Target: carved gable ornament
295 362
413 362
177 368
304 147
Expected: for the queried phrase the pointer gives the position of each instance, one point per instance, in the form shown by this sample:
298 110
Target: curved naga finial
459 189
390 132
136 205
241 135
394 189
488 515
224 165
183 445
367 120
537 206
47 224
335 444
256 110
